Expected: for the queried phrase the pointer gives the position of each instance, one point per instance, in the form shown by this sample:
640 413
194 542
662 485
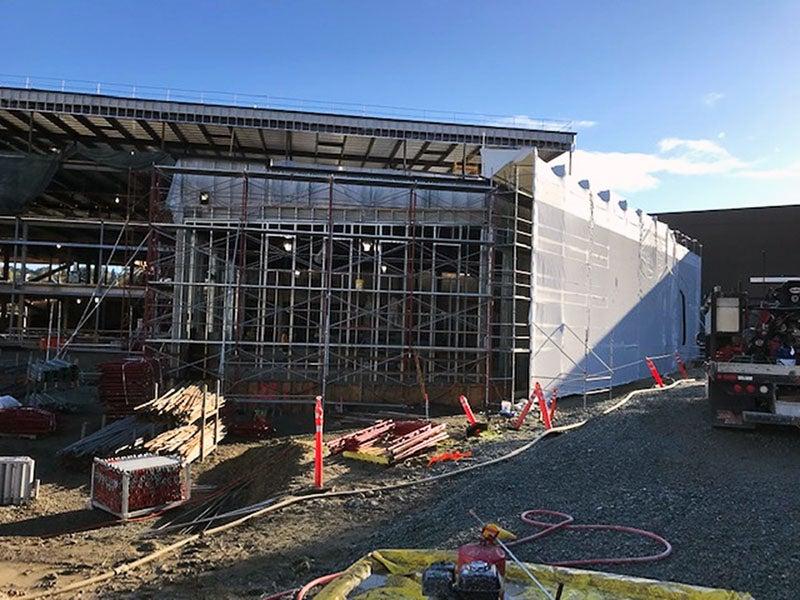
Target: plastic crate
133 486
17 484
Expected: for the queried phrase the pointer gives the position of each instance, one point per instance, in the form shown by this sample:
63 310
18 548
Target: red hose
318 581
567 522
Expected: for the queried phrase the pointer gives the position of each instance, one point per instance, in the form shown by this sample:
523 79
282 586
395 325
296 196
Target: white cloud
712 98
789 171
629 172
721 135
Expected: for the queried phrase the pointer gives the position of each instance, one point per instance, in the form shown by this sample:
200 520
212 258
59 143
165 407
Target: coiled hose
568 522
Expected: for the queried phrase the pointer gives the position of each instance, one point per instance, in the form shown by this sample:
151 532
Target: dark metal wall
742 243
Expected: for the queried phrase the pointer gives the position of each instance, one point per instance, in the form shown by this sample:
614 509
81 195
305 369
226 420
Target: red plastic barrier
319 417
654 372
467 410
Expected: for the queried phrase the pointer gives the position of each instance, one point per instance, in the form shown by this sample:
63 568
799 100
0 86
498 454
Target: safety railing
150 92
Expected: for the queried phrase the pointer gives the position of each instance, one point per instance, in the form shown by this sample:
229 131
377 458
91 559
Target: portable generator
477 575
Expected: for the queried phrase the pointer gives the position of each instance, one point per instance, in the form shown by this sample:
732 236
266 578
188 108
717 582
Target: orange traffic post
468 410
681 366
319 417
524 412
545 414
553 403
654 371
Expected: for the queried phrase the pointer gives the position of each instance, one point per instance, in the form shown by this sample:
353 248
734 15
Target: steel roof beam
287 120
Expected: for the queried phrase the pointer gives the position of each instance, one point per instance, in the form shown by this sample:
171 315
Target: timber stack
194 414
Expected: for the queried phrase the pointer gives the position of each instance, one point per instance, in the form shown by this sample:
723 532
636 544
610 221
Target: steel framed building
294 253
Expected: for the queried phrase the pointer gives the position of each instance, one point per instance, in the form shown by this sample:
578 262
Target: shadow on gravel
55 524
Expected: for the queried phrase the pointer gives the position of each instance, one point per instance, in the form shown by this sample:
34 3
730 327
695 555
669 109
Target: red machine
477 575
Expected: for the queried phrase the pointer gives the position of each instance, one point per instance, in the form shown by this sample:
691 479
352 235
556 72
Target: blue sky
686 105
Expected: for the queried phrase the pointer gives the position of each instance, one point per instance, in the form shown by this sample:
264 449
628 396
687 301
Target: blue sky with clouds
682 105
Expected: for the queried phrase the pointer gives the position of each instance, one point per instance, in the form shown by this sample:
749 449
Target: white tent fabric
611 286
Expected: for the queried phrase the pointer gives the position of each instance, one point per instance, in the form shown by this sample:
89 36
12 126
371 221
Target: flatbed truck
752 373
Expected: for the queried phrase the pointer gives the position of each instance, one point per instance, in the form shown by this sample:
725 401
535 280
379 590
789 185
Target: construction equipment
477 574
752 374
474 427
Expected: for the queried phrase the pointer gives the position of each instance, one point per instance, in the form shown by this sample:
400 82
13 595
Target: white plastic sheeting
227 192
612 286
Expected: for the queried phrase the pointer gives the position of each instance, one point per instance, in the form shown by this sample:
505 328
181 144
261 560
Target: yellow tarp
403 567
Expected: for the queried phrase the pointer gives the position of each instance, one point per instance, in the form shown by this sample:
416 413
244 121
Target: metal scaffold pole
326 323
489 295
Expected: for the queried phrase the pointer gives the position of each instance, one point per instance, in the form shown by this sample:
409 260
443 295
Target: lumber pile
183 406
194 413
187 441
183 421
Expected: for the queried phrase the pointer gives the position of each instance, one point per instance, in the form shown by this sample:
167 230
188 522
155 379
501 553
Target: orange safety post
545 414
654 372
467 410
553 403
319 417
524 412
681 366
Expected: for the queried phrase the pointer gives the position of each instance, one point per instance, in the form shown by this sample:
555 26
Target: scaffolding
374 261
321 294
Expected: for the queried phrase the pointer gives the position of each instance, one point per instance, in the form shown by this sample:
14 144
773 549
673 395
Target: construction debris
138 485
389 441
